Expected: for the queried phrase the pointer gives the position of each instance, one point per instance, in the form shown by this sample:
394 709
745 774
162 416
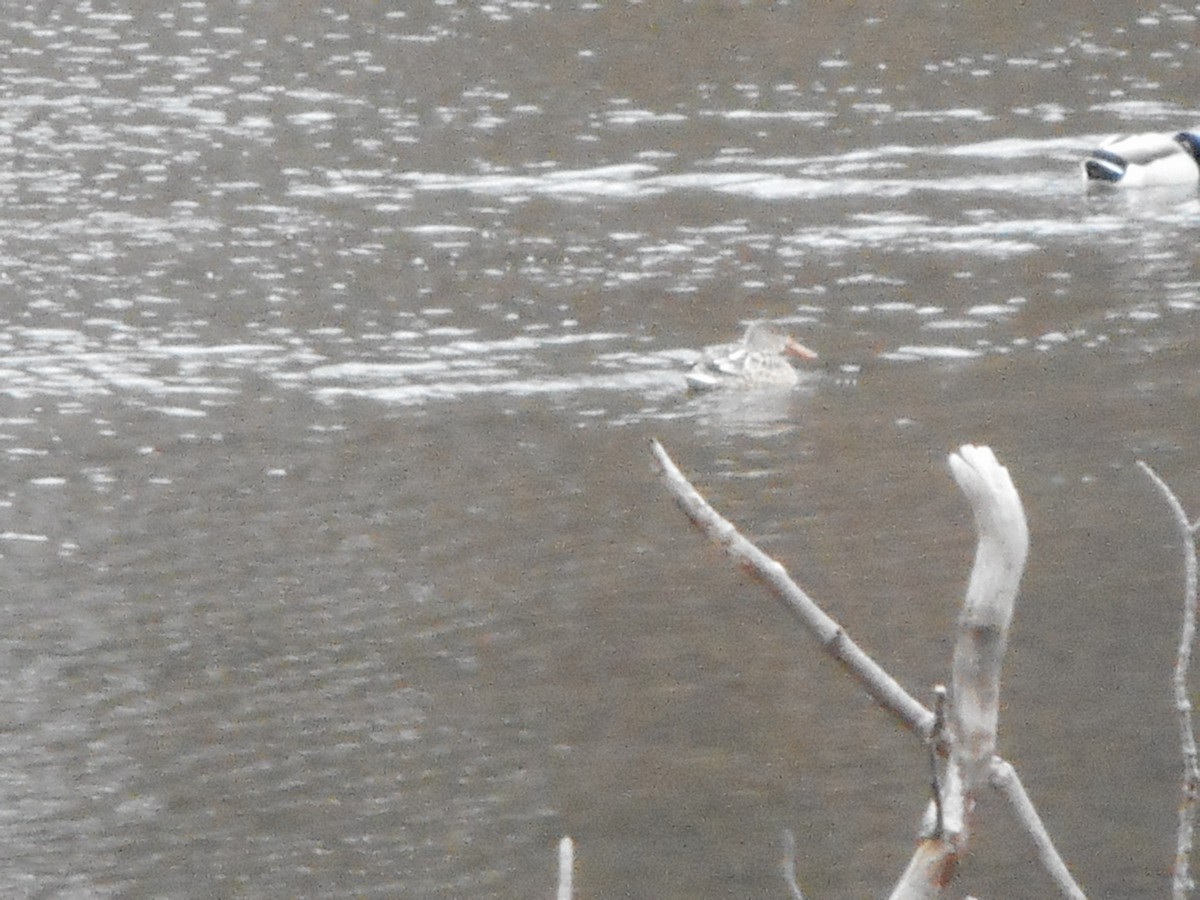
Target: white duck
1146 160
757 360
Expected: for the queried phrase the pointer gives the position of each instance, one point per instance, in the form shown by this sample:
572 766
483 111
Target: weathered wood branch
1003 545
1182 883
1005 779
974 710
968 740
566 868
962 733
885 690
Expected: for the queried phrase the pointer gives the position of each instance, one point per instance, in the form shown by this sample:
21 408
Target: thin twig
1004 778
885 690
937 741
1182 882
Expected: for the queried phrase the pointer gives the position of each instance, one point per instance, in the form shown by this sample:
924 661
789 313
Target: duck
759 359
1146 160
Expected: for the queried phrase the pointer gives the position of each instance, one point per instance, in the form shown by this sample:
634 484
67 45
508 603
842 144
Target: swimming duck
757 360
1146 160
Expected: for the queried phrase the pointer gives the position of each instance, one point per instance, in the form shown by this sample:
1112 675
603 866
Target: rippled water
332 339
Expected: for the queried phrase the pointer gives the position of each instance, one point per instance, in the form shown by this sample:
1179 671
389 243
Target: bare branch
1002 531
929 871
1003 544
1005 779
1182 882
566 868
789 864
938 744
884 689
962 733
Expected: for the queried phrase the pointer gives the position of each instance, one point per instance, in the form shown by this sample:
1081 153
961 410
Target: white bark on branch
566 868
1005 779
1182 883
885 690
789 864
966 741
962 735
1003 544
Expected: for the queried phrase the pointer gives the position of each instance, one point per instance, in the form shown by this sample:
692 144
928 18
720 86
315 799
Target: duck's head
1191 143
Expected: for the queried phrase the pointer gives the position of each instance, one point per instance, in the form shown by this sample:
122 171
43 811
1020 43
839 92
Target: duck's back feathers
1146 160
732 365
758 360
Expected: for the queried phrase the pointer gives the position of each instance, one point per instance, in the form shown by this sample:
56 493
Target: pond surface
333 337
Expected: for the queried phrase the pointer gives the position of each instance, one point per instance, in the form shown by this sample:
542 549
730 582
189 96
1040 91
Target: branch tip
566 868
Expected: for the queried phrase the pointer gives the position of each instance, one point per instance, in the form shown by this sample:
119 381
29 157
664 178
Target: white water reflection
820 177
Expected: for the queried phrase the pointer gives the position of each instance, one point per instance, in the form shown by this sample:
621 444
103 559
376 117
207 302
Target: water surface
332 342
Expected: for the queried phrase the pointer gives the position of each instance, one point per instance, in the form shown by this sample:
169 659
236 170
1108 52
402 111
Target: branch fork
961 730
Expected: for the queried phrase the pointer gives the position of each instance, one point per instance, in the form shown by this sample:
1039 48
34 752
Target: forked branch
1003 544
968 741
963 732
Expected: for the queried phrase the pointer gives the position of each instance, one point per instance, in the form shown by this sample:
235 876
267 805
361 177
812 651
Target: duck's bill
798 350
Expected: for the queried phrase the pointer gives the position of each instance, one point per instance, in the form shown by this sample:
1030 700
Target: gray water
333 335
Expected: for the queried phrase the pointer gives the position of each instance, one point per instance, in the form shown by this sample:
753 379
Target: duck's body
1146 160
759 359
